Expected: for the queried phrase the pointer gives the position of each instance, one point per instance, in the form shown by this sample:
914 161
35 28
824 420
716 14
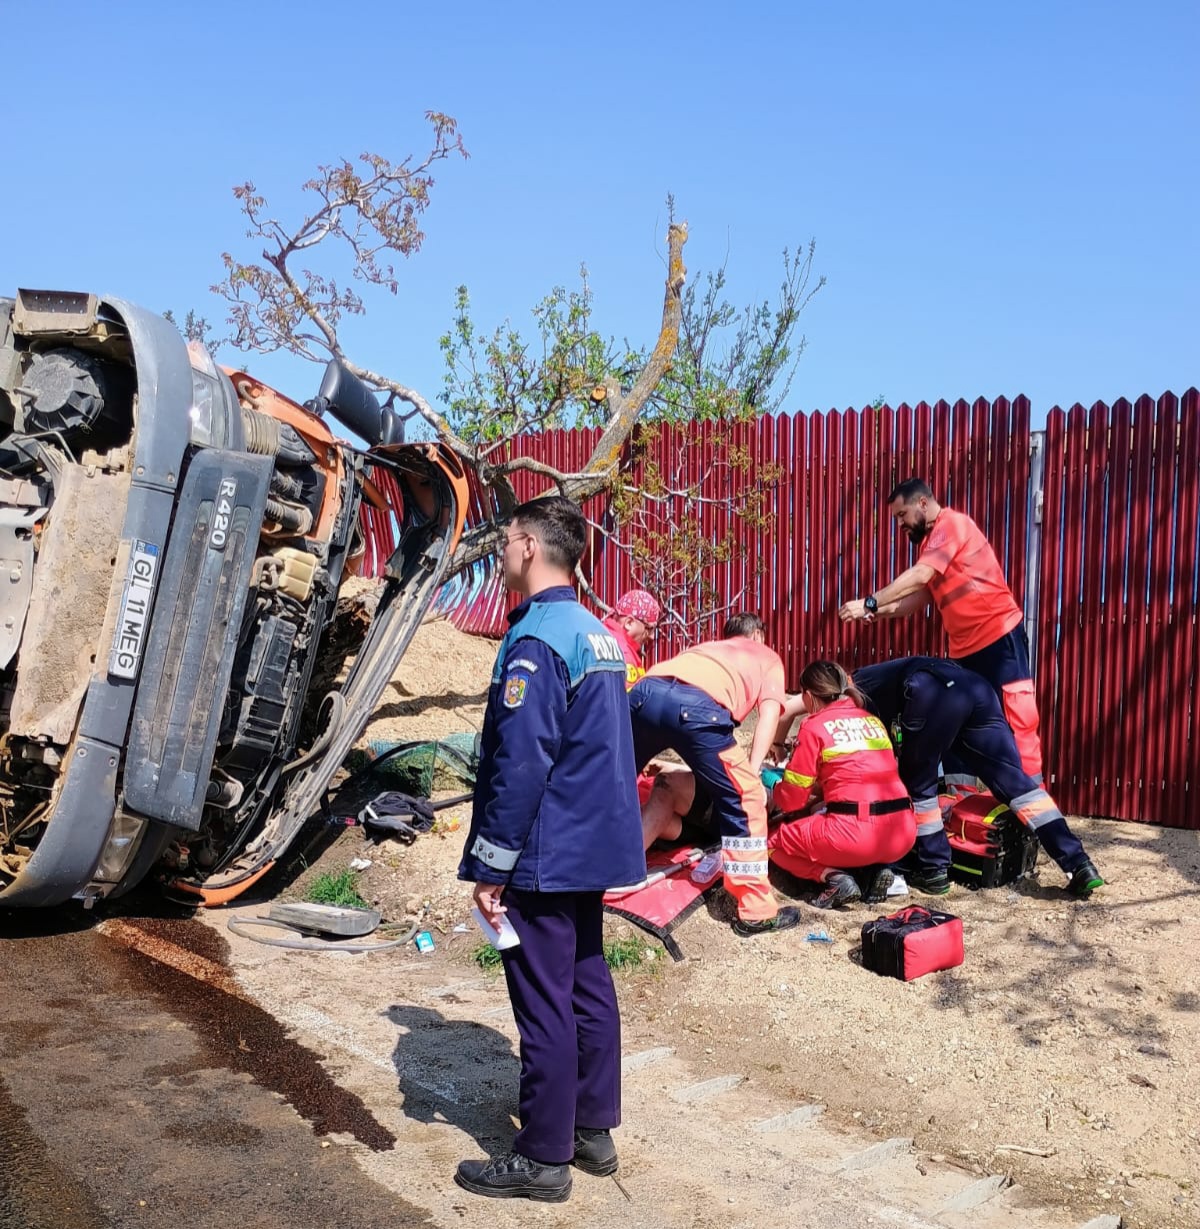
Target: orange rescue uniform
692 703
983 623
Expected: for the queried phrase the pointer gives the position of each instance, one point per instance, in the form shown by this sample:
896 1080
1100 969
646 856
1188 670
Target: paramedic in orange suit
633 622
845 752
958 569
691 704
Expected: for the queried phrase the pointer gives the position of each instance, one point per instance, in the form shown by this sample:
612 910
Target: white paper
500 937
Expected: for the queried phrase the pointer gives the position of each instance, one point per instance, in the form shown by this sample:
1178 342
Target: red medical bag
912 943
989 846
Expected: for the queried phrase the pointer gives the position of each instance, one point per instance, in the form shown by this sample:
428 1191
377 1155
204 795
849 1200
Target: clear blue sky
1005 197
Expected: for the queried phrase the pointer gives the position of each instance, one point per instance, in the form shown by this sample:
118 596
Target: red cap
638 604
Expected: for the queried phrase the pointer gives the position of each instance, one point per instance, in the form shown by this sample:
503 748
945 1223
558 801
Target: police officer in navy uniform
944 710
555 822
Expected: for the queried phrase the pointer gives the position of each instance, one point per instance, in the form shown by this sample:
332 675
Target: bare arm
769 712
906 584
911 604
912 580
793 706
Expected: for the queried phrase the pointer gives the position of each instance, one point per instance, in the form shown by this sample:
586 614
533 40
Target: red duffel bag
913 942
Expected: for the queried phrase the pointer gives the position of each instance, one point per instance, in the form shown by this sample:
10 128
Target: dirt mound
440 687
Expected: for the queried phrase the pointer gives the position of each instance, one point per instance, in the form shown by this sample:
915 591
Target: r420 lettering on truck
222 514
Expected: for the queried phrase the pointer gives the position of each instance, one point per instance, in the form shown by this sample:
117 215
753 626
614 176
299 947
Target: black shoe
932 883
878 884
595 1152
785 919
840 890
514 1176
1085 879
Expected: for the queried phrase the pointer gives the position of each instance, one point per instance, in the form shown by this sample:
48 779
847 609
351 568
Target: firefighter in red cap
633 620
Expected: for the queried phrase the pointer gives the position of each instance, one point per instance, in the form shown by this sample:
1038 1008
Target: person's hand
853 611
487 898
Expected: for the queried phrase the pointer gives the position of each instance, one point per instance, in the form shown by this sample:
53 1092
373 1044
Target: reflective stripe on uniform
749 869
798 778
496 857
743 844
921 805
864 744
928 827
1036 808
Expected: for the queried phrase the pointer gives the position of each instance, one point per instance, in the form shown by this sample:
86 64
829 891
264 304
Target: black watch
870 605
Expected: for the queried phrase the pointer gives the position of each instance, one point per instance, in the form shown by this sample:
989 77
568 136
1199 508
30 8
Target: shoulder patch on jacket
515 687
605 647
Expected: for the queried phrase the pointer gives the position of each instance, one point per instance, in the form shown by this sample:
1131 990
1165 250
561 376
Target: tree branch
625 409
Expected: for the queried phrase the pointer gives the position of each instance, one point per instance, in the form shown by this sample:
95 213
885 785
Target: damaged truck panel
175 538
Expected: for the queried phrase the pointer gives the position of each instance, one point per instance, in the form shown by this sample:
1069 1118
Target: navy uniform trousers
566 1012
964 722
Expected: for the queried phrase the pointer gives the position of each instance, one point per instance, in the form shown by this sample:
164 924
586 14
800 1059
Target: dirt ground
1062 1052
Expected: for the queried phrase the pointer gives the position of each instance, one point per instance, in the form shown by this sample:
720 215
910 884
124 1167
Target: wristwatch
870 605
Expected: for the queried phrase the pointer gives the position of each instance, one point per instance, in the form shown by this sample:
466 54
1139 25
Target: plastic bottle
708 868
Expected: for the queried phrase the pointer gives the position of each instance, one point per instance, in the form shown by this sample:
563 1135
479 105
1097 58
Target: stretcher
667 897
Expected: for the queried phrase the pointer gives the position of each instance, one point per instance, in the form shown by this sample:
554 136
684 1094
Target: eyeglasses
503 546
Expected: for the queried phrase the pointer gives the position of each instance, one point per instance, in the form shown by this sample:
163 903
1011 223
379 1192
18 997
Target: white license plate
130 638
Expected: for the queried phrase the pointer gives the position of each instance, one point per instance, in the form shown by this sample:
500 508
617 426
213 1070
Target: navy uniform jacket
556 804
883 683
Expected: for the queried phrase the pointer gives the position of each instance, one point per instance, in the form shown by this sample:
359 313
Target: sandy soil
1069 1034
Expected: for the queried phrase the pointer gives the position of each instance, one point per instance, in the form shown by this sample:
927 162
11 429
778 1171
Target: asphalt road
134 1094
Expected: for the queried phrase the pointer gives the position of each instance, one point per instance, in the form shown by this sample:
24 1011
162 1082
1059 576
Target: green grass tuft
486 956
628 953
340 889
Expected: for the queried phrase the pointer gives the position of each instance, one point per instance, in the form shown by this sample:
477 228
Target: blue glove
771 776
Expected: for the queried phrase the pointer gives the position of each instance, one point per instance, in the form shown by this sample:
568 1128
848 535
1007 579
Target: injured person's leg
669 800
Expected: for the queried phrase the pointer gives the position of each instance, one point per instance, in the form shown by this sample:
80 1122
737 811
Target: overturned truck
173 540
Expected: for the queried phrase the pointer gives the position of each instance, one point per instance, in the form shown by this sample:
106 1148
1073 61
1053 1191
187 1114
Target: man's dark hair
910 489
744 624
558 525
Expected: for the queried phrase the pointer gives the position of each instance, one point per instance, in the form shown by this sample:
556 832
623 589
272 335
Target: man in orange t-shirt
958 569
691 704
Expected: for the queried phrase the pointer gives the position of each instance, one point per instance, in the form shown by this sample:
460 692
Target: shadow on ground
456 1072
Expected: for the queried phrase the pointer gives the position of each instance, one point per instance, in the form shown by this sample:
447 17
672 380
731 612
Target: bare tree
500 386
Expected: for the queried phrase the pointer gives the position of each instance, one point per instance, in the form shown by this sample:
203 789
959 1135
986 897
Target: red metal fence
1112 604
1118 622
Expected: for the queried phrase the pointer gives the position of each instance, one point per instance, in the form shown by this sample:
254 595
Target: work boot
785 919
840 889
931 883
595 1152
878 885
514 1176
1085 879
